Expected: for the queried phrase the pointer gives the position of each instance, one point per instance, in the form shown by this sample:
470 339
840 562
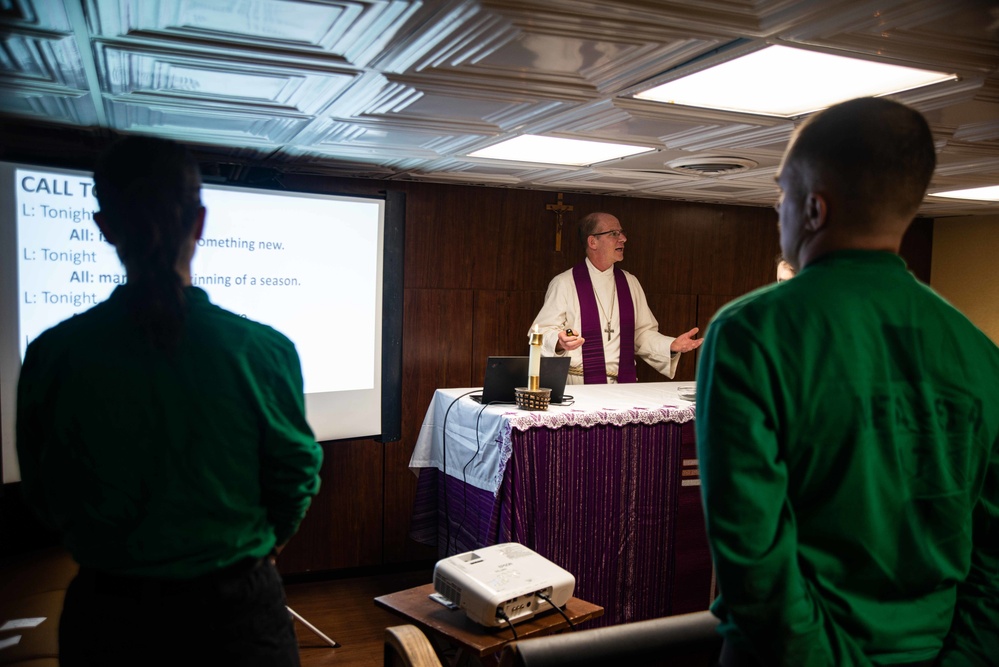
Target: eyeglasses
616 233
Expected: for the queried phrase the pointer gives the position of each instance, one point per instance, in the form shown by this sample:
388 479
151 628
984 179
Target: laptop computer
505 374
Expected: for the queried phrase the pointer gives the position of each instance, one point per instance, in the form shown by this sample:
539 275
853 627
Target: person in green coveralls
848 426
165 439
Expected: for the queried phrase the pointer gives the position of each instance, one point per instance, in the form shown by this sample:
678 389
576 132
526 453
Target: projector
504 580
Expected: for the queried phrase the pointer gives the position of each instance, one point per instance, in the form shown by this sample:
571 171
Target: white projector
504 580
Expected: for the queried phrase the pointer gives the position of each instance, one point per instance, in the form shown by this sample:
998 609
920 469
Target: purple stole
594 365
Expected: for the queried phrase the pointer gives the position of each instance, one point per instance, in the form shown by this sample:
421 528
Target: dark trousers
233 617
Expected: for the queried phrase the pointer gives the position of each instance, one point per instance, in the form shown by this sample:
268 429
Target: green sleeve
974 633
767 605
291 457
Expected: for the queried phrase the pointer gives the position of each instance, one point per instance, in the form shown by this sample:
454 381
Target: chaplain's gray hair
588 224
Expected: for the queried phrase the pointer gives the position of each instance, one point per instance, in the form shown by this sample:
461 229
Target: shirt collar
595 271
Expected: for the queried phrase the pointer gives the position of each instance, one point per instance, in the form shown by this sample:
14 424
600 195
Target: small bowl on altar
532 399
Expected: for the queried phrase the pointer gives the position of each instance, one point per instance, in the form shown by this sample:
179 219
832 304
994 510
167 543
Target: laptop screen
505 374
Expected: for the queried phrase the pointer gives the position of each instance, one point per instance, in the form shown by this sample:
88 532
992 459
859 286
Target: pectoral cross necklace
609 330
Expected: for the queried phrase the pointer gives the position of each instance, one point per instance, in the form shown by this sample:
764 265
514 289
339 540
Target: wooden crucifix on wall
559 208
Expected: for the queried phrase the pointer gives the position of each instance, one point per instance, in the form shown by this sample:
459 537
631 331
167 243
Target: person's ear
102 225
816 211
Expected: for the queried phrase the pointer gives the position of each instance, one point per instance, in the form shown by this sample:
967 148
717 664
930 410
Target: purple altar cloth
607 502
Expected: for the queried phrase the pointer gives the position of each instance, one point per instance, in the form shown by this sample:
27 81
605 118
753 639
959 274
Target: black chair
687 639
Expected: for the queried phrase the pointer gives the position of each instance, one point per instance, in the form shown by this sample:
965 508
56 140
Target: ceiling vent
708 165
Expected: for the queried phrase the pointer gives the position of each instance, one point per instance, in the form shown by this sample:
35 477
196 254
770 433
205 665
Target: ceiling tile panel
37 15
355 31
642 178
298 160
989 91
494 113
476 98
370 93
521 176
31 58
609 51
334 137
700 18
63 108
445 33
977 132
968 160
953 36
475 168
542 60
205 125
541 52
467 178
735 135
220 81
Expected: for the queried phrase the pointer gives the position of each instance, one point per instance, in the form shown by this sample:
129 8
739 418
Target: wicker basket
533 400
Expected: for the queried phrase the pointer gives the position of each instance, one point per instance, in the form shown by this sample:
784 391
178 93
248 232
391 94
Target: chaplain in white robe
575 313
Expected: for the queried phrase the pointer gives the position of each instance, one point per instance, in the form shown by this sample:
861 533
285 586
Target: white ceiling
404 90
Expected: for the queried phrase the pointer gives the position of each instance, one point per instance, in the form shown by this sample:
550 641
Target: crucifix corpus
559 208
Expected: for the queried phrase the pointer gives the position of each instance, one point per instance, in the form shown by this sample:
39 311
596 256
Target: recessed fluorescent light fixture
555 150
987 193
787 82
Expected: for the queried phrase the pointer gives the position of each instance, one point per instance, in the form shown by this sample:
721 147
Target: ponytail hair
148 190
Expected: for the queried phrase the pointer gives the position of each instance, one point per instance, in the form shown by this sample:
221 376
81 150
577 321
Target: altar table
607 488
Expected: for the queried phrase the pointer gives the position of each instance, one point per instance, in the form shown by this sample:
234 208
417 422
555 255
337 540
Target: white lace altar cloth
475 440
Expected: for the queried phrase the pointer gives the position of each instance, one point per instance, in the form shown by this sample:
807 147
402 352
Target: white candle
534 363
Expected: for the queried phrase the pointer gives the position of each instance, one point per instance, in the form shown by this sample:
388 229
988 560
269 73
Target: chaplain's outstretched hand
568 340
686 342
